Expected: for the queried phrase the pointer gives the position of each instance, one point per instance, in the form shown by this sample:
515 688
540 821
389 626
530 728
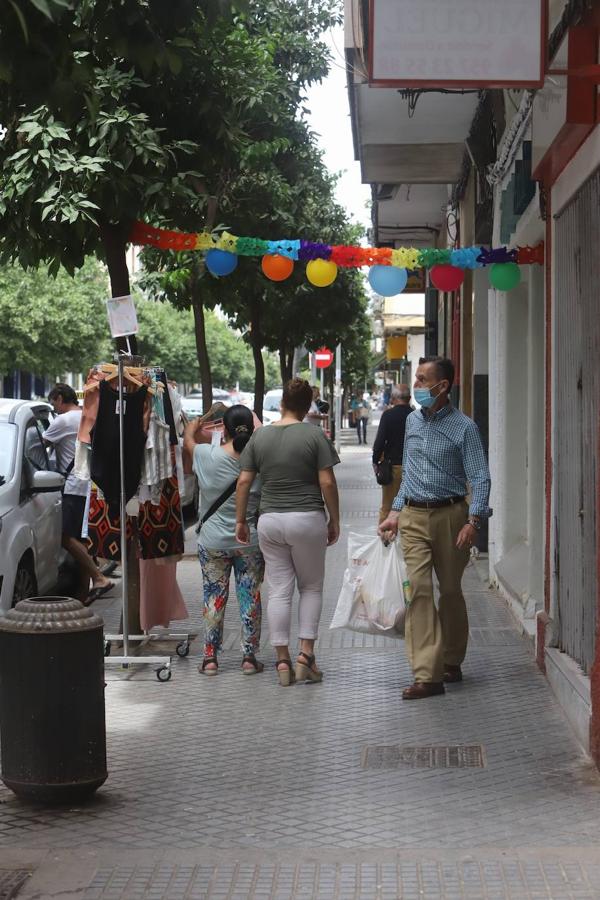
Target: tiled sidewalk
231 787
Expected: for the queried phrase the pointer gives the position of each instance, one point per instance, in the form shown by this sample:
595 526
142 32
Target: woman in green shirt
295 461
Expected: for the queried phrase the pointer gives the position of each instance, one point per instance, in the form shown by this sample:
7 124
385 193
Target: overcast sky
330 119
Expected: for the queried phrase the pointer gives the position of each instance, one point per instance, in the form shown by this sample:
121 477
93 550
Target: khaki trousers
388 493
435 638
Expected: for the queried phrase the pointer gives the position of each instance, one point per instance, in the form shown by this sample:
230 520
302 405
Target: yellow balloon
321 272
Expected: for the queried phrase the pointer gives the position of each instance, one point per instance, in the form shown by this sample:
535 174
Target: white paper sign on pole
457 43
122 317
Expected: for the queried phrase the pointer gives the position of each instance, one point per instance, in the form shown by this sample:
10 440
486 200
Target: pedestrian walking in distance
295 462
61 435
443 454
362 413
217 468
389 444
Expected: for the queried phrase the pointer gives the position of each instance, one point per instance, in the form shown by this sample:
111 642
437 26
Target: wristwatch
475 523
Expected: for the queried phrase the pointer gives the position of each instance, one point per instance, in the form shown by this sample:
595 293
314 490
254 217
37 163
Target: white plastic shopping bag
372 598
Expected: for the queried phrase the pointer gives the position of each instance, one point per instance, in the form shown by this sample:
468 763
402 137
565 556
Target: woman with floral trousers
249 570
217 467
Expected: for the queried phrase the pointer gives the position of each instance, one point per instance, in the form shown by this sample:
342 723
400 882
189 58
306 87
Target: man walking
389 444
61 435
442 453
362 413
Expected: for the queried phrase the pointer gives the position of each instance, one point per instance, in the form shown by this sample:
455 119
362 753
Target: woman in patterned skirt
217 467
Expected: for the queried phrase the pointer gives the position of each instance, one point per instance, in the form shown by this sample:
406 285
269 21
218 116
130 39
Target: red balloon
277 267
446 278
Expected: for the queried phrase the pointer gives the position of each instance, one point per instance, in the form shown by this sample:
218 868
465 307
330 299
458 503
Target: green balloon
505 276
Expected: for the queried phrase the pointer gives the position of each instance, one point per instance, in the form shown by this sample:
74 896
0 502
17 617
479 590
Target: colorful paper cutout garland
447 266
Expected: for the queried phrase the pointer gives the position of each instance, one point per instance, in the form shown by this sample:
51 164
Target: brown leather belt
433 504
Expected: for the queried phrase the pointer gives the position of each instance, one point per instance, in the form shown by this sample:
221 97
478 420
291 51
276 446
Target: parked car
30 504
192 406
192 402
245 398
271 406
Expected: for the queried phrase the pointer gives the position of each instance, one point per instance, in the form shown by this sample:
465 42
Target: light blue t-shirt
216 470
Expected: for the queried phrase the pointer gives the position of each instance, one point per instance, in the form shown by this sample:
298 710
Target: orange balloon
277 267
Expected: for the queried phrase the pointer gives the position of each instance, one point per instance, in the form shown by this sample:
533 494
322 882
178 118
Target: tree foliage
52 326
167 337
175 113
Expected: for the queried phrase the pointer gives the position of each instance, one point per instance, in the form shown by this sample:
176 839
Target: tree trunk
114 240
259 363
198 308
200 333
286 362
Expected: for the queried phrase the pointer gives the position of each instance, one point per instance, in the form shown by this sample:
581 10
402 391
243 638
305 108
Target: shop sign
457 43
416 282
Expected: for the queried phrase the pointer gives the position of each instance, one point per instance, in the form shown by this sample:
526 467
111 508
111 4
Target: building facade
515 165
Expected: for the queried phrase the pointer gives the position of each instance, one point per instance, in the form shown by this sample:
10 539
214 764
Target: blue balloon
387 280
220 262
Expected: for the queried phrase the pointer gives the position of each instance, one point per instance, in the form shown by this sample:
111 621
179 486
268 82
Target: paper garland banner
447 265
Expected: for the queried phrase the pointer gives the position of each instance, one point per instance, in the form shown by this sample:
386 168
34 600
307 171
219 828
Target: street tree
52 326
167 334
90 145
137 110
255 180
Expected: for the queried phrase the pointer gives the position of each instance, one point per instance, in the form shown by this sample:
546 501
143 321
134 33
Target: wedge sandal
208 660
306 669
285 673
257 666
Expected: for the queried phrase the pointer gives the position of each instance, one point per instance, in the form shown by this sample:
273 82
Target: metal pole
124 579
338 396
322 383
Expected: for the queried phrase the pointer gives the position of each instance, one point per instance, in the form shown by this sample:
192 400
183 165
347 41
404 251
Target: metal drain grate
11 882
454 756
362 514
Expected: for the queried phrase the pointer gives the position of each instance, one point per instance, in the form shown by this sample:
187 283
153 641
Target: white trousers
293 545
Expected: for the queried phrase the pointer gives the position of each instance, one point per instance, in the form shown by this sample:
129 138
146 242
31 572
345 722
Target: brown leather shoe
452 674
422 689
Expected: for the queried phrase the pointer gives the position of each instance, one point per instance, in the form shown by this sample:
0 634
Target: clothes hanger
111 371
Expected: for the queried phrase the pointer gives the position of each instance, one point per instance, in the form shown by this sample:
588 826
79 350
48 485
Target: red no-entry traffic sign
323 358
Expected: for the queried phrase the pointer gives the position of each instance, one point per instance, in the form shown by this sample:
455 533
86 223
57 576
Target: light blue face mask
424 397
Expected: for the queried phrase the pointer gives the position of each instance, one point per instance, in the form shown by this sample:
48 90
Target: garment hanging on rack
157 462
159 527
105 442
172 410
161 601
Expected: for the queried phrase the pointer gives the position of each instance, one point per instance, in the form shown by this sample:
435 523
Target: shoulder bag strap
217 504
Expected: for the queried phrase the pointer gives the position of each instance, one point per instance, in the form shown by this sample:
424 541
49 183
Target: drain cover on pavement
11 882
454 756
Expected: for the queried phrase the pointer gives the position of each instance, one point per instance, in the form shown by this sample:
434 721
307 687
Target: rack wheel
183 649
164 673
107 648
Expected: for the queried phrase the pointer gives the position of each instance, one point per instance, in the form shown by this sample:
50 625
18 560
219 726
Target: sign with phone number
471 43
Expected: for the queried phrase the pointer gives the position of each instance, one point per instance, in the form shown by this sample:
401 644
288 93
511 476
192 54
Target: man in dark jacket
389 444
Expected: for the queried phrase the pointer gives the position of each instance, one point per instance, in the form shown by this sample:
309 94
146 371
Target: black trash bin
52 728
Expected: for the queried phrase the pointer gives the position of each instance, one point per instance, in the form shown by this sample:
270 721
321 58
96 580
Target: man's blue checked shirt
442 454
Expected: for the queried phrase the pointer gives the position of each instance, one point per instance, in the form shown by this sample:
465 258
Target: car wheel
25 583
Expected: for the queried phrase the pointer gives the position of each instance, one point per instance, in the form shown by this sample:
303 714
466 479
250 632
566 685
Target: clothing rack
163 672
